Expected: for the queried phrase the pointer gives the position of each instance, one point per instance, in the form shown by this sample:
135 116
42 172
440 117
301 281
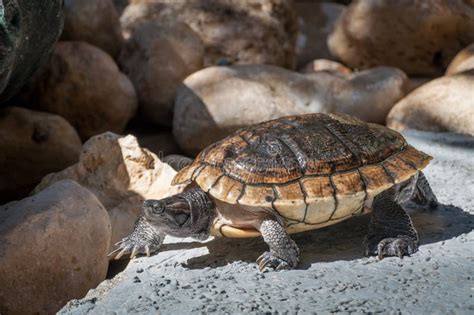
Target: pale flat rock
53 247
444 104
233 31
319 65
122 175
94 21
216 101
419 37
220 275
463 61
33 144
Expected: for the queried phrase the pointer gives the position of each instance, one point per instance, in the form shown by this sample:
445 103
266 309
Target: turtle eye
158 207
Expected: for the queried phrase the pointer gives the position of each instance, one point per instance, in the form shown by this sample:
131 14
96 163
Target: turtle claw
399 246
268 260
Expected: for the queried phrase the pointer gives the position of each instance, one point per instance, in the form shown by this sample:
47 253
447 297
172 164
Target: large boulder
93 21
444 104
215 101
53 248
83 84
463 61
122 175
316 20
157 58
29 29
417 37
33 144
233 31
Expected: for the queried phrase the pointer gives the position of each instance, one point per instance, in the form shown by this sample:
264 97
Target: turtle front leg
284 253
391 231
143 240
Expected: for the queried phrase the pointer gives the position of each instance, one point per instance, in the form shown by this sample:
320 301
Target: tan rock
369 94
463 61
331 66
32 144
316 20
53 248
157 58
93 21
122 175
218 100
233 31
84 85
444 104
418 37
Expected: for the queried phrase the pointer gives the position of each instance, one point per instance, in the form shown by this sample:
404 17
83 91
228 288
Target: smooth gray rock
220 275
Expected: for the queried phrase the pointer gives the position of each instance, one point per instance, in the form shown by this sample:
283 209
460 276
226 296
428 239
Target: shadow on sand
343 241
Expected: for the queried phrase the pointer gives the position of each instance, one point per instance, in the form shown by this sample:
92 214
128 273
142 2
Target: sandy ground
220 275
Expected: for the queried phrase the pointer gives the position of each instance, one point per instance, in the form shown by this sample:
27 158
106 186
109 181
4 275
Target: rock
157 58
32 144
418 38
122 175
28 31
415 82
463 61
161 143
53 248
368 95
84 85
444 104
120 5
241 32
177 161
319 65
93 21
219 100
219 275
316 21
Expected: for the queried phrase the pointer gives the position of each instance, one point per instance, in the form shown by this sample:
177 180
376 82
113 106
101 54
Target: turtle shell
312 169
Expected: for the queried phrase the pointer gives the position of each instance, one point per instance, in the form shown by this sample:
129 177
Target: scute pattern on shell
310 168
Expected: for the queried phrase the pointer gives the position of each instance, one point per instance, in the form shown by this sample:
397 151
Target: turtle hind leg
391 231
284 253
423 195
416 193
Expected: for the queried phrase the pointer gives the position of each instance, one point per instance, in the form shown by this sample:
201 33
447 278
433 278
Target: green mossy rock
28 31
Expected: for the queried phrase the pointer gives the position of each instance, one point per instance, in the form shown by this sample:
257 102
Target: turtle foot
267 259
394 246
142 241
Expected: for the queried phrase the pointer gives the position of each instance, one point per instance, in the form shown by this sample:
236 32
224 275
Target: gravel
220 275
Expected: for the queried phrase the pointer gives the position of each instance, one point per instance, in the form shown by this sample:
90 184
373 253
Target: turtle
289 175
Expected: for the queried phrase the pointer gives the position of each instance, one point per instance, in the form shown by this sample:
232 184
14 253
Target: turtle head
187 214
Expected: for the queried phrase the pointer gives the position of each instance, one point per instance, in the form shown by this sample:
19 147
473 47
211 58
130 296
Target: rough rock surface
316 20
233 31
444 104
83 84
157 58
218 100
28 31
33 144
220 275
418 37
463 61
53 247
121 174
94 21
